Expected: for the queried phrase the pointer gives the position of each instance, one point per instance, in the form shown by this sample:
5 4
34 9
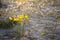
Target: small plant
21 21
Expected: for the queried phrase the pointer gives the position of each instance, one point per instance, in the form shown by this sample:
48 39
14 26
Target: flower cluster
21 21
19 18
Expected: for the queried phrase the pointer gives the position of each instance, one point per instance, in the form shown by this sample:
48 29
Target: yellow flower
10 18
15 19
26 17
20 1
21 16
